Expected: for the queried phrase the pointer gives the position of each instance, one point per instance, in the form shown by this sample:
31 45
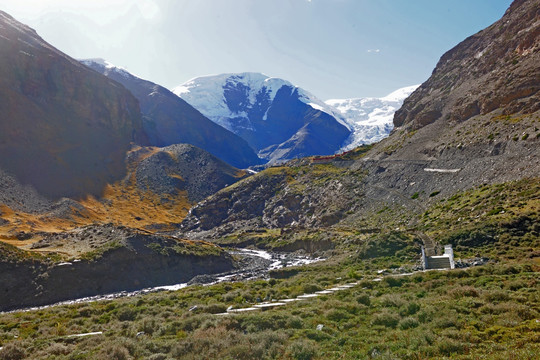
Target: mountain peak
266 111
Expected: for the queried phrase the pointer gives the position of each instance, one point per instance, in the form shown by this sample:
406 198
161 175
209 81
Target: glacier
370 118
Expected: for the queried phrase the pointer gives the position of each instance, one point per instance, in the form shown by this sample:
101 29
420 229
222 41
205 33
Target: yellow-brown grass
121 203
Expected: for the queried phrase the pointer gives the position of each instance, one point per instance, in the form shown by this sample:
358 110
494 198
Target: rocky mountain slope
495 69
76 248
371 119
64 129
278 119
168 119
74 148
160 186
421 163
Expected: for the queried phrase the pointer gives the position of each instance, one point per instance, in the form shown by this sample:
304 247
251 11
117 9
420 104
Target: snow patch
109 67
316 107
442 170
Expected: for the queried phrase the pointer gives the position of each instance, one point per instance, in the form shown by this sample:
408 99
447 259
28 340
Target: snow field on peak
206 93
400 94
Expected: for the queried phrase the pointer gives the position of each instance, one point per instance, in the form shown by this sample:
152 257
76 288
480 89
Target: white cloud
374 50
149 9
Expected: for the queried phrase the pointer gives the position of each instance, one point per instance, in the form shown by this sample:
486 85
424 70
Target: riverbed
253 264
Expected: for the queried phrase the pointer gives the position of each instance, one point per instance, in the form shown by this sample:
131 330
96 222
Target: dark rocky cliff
127 260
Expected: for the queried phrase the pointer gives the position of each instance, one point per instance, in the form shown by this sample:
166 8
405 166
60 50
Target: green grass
465 314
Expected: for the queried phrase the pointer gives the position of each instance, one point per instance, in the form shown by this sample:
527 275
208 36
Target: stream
254 264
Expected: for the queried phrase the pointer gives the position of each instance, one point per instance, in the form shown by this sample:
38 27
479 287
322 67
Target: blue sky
332 48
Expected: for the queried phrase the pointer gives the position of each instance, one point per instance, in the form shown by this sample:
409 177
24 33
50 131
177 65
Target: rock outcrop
495 69
297 195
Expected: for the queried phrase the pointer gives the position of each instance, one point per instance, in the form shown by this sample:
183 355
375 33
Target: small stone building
445 261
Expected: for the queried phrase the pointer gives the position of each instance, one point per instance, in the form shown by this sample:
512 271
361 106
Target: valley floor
484 312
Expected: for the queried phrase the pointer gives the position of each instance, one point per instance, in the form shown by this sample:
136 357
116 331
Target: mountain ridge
168 119
418 165
496 71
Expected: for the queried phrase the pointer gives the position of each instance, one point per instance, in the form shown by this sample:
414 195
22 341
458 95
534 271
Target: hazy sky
332 48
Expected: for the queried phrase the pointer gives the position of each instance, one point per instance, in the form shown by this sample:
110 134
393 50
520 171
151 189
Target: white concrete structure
445 261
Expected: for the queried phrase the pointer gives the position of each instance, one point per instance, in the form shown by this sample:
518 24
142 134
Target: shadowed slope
63 128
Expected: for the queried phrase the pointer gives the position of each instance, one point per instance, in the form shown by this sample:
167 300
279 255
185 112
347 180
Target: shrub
394 281
317 335
13 351
294 322
116 352
148 326
363 299
446 320
266 321
159 356
126 314
463 291
213 309
450 346
409 309
408 323
386 318
392 300
59 349
367 284
311 288
337 315
385 245
471 238
496 295
303 350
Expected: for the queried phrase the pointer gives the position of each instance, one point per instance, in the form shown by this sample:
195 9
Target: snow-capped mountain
279 120
370 118
168 120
